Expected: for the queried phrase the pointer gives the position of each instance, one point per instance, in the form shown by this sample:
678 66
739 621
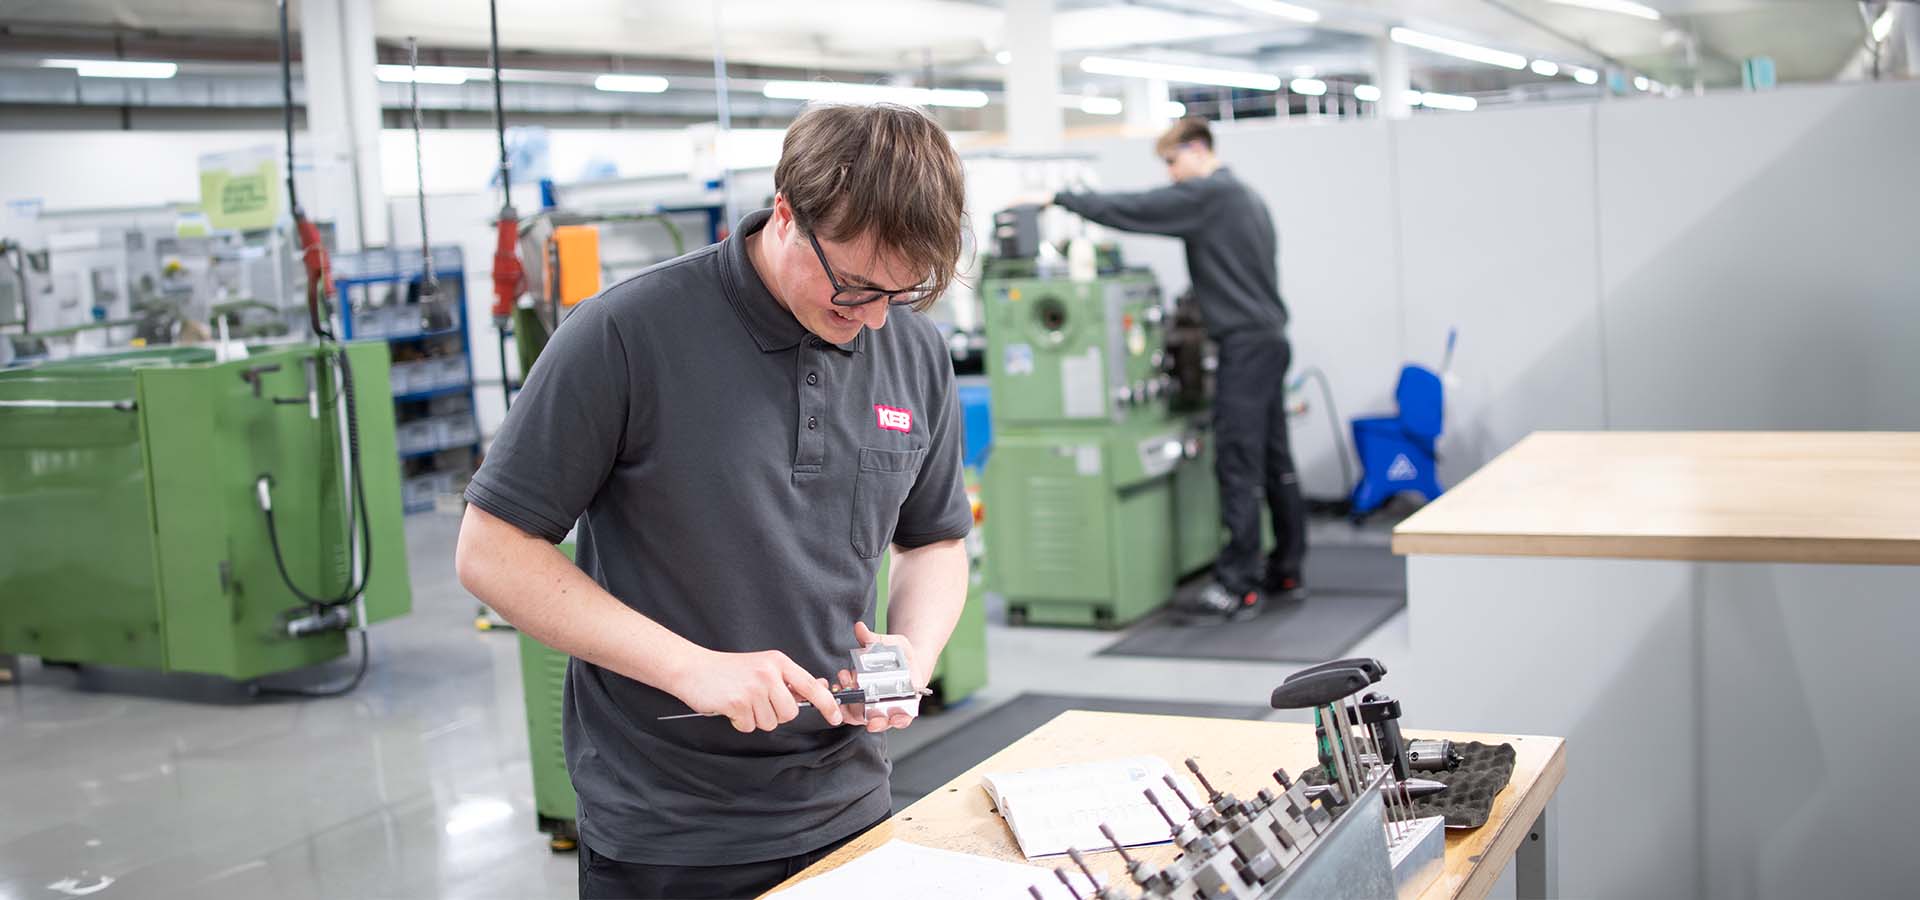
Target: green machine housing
1101 490
962 670
130 532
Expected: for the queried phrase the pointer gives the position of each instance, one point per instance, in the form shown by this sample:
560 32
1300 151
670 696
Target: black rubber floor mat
1322 627
1355 569
924 770
1468 799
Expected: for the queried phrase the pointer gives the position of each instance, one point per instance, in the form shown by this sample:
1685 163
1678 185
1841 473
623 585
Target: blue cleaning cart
1397 452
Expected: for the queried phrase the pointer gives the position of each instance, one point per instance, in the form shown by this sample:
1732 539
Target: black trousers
606 878
1253 459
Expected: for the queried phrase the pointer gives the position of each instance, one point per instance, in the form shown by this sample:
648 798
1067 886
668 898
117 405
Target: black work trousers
1253 459
606 878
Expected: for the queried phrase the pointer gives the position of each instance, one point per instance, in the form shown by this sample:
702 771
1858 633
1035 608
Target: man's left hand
896 714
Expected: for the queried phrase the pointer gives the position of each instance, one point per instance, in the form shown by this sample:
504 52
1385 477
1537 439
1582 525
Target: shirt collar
771 325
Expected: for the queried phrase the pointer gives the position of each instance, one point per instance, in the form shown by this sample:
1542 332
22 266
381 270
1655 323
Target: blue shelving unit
433 361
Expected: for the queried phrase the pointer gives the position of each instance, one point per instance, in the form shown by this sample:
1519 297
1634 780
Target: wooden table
1716 620
1239 757
1748 496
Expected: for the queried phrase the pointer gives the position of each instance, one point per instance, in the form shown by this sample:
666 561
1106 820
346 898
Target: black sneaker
1216 602
1284 590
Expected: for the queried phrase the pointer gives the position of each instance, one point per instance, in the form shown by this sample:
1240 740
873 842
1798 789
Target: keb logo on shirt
894 419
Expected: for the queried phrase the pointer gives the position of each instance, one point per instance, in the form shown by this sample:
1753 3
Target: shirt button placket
812 444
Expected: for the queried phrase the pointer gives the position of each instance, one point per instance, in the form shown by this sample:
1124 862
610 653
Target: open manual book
1053 809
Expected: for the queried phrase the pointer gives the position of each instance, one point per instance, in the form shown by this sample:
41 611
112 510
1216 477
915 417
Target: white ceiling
1809 39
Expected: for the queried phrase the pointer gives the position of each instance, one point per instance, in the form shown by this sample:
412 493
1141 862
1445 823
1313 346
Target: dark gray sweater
1232 253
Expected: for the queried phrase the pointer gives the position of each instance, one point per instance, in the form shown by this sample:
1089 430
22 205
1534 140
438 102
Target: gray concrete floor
415 785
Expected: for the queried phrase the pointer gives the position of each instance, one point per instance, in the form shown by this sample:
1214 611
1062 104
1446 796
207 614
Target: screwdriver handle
842 696
1374 669
1318 689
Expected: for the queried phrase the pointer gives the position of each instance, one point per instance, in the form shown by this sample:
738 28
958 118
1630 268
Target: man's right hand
755 691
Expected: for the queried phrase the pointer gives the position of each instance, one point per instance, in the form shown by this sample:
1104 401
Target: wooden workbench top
1238 756
1799 497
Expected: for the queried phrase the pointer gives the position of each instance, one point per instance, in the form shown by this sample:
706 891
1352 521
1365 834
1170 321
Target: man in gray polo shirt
739 439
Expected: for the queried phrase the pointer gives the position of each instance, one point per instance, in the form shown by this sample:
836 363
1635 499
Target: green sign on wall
241 190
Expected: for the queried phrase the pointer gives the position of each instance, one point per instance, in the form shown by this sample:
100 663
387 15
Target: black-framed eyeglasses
844 295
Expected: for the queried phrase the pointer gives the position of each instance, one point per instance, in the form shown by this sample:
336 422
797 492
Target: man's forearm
925 595
532 585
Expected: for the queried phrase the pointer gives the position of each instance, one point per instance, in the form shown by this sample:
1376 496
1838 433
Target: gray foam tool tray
1468 799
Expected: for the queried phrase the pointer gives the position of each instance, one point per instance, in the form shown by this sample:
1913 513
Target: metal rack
432 352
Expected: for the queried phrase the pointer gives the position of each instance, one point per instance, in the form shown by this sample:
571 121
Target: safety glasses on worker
844 295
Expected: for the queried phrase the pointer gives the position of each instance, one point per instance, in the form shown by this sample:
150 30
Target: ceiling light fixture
1545 68
1093 106
1174 109
1454 102
1283 10
1366 92
1883 26
1310 87
1003 57
1623 7
1584 75
837 92
393 74
1460 49
1135 68
114 68
631 84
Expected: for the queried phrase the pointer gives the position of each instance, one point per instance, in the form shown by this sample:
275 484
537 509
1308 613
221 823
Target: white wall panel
1497 225
1759 259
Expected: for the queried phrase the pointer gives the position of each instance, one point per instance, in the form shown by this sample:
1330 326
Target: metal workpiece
1203 817
1432 755
1142 874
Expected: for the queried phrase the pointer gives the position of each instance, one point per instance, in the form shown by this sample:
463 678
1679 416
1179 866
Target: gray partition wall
1730 261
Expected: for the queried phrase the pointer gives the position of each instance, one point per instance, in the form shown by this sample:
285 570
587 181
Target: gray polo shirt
736 479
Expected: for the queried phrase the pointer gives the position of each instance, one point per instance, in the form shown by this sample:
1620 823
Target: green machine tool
162 509
1100 478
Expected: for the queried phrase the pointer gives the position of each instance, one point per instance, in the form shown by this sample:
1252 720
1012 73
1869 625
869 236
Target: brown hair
1187 130
885 170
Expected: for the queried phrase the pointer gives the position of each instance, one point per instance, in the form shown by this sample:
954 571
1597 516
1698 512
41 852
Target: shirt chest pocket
882 484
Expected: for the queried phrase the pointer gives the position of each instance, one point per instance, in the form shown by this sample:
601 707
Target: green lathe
1100 481
131 524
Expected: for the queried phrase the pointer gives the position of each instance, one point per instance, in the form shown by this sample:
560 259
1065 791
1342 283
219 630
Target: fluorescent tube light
1883 26
838 92
1366 92
1453 102
1135 68
1584 75
1092 105
394 74
1623 7
1174 109
1640 82
114 68
1545 68
632 84
1460 49
1283 10
1311 87
1003 57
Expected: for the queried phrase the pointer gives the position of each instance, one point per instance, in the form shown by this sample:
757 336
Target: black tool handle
1318 689
1374 668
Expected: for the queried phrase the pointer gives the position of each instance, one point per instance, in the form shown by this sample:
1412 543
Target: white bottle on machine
1082 262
